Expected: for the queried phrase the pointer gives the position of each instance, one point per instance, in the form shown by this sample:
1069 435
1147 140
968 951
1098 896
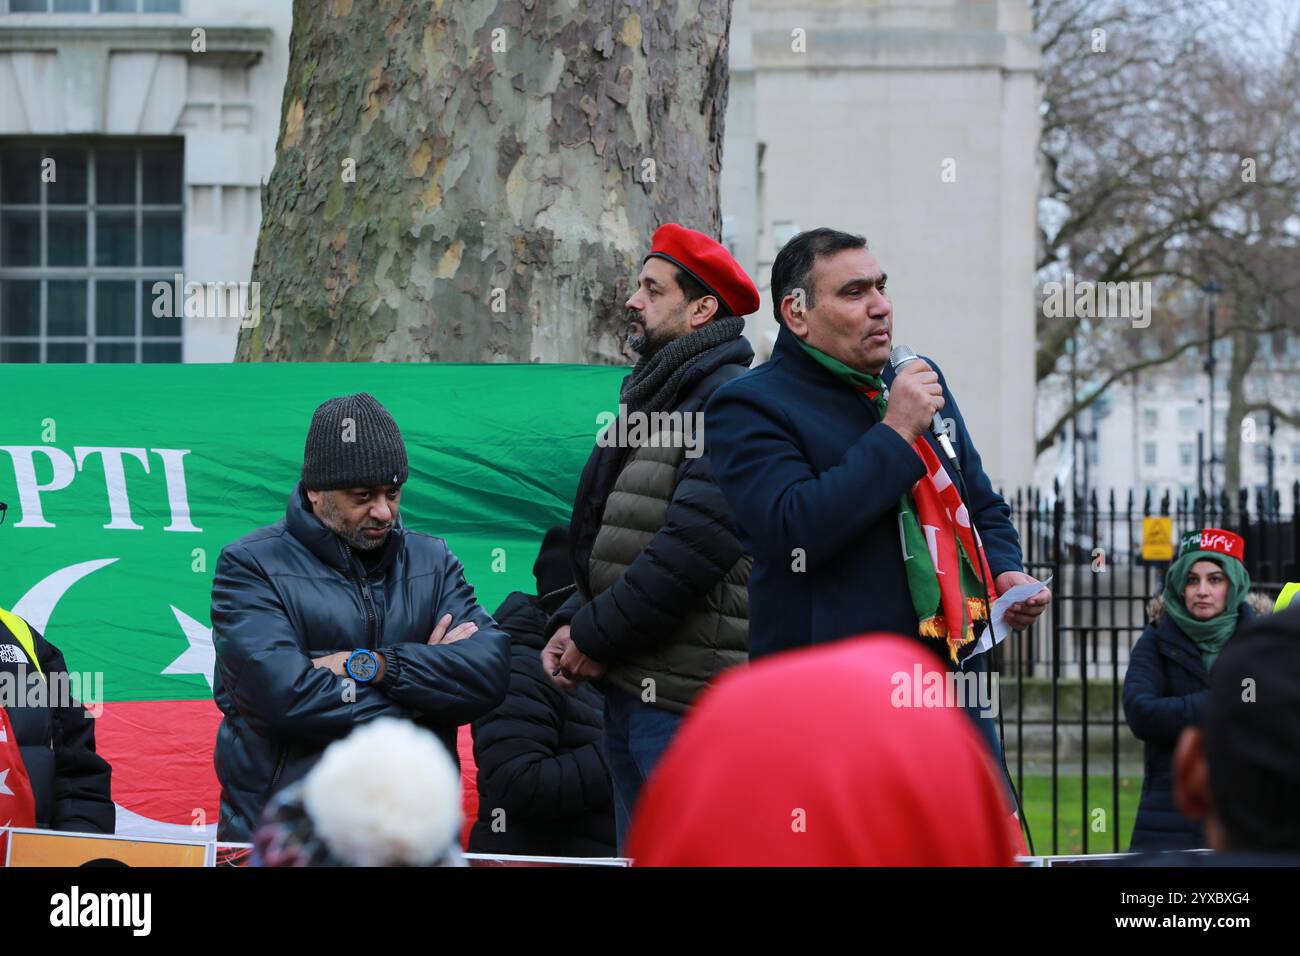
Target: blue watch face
362 665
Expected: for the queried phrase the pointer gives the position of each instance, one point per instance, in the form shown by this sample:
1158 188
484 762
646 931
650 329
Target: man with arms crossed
336 615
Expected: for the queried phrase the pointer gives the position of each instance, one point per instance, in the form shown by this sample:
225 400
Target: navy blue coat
292 592
802 463
1165 689
805 463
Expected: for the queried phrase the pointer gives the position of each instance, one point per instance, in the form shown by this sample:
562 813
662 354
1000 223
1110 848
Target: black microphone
898 358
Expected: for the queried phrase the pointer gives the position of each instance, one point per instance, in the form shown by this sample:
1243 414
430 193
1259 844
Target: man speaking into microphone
856 518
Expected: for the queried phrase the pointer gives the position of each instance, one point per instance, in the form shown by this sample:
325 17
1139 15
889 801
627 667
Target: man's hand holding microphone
915 398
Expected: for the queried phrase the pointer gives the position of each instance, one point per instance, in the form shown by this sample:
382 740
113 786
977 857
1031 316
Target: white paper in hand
1000 628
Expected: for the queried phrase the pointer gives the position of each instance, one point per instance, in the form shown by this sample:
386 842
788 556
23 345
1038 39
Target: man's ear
1192 776
314 497
793 311
703 309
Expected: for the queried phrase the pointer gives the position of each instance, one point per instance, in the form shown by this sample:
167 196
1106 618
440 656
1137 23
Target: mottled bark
512 159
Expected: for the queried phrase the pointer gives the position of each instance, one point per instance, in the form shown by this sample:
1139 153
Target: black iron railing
1102 588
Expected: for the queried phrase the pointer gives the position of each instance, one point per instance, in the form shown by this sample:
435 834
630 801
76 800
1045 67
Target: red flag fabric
17 805
468 783
163 779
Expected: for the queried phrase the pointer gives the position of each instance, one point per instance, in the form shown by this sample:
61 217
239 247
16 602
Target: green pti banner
125 481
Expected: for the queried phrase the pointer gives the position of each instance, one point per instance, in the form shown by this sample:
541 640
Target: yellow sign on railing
1157 539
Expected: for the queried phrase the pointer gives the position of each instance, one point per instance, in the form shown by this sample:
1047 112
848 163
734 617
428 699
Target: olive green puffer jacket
712 633
663 597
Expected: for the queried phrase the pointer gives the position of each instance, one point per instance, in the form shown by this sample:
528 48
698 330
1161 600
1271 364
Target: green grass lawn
1071 819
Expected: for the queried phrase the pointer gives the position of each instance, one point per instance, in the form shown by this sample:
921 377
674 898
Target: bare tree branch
1048 437
1290 418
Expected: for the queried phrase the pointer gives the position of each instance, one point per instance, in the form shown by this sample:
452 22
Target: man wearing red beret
661 605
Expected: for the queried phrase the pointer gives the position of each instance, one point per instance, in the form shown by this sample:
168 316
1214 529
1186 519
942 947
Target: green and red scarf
937 537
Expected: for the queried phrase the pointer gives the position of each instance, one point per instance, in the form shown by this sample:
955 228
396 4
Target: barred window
90 6
85 232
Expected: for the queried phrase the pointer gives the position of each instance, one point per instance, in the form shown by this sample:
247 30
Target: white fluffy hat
387 795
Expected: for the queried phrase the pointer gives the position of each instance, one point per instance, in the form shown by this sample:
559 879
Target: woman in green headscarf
1206 595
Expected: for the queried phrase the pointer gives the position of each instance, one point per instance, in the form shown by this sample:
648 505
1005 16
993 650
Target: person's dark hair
1250 740
694 289
794 263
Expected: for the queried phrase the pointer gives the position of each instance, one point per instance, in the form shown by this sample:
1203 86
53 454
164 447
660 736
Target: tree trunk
478 180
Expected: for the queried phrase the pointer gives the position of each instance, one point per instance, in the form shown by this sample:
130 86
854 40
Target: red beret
709 263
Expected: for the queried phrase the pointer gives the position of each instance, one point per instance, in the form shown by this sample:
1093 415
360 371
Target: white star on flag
200 657
5 791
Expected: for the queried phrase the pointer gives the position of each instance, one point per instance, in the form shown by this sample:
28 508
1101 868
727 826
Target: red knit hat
709 263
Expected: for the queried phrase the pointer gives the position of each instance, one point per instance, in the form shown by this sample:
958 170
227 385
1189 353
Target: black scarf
654 382
653 385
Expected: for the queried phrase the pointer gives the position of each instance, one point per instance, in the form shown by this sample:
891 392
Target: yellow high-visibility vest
1288 595
19 629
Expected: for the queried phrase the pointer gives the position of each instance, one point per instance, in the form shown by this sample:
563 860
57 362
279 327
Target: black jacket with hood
71 783
543 788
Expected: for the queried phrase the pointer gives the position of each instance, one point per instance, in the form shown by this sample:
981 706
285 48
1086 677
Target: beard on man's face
645 341
636 336
355 535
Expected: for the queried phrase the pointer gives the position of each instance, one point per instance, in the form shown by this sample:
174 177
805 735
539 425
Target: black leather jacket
293 591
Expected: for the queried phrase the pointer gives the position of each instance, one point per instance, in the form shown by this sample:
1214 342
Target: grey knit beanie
353 443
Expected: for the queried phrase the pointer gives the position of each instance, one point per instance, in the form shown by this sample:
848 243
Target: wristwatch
362 666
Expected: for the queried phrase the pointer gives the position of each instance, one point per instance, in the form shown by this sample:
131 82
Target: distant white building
916 124
134 139
1152 434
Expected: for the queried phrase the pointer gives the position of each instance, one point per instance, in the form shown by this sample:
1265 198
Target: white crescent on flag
37 605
